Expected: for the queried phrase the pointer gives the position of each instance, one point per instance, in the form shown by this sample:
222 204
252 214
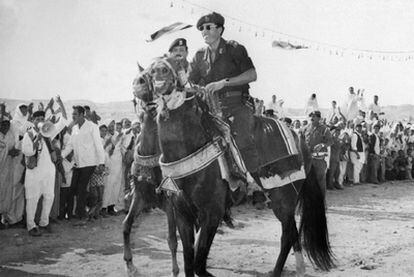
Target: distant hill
122 109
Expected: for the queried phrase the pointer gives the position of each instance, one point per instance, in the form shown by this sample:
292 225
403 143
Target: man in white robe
7 152
311 105
18 127
357 152
40 181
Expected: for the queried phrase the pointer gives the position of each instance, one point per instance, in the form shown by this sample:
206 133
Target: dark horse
147 176
184 127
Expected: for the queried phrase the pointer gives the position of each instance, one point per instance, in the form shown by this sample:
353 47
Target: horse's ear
140 68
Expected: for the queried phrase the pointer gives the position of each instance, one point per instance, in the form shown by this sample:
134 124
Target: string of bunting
286 41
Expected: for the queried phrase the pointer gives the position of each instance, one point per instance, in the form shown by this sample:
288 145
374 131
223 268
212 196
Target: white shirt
272 106
375 108
311 105
86 144
333 112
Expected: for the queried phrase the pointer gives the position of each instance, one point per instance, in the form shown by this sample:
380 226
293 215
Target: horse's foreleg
135 209
172 237
186 229
205 239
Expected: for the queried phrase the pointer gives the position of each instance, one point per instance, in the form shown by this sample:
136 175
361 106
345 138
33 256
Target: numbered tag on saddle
169 185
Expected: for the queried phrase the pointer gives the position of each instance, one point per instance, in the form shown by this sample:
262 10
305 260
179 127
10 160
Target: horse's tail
313 227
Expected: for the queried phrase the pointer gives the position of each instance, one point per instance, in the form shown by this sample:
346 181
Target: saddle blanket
274 140
278 181
277 148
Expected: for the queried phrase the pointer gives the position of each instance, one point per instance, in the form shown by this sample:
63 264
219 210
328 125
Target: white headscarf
19 125
18 116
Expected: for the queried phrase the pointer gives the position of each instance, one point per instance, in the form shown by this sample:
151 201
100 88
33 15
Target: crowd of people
56 168
362 145
80 168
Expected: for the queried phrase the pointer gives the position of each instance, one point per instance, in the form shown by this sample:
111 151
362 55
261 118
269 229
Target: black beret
178 42
315 113
80 109
39 113
214 17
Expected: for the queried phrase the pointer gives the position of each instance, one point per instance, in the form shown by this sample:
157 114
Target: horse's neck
181 133
149 137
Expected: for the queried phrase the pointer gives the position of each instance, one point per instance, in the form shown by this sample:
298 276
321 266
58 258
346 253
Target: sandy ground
371 230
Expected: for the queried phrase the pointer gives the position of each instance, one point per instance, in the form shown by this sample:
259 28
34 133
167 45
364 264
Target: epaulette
233 43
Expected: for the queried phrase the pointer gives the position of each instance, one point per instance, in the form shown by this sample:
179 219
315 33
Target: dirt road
371 230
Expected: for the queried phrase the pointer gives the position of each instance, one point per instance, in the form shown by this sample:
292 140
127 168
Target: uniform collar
221 49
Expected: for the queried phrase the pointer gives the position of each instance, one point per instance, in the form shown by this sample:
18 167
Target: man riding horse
191 143
225 68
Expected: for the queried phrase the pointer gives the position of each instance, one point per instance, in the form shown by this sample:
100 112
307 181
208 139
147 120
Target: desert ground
371 231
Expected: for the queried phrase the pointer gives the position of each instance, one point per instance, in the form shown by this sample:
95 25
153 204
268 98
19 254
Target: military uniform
315 136
231 59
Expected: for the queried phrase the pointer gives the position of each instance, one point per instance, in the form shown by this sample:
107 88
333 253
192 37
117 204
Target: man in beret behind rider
179 50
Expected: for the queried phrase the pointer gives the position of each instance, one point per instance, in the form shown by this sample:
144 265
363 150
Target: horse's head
167 75
142 86
143 91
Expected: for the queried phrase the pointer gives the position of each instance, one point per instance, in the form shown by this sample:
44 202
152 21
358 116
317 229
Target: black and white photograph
157 138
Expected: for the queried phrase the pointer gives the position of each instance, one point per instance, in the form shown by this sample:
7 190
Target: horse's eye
141 81
152 71
164 70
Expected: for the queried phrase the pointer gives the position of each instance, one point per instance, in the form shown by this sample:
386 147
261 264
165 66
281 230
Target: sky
84 49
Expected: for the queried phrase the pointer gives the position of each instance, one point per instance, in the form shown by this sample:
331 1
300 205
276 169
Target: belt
228 94
319 155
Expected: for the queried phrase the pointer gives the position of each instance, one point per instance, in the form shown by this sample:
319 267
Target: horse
146 177
185 130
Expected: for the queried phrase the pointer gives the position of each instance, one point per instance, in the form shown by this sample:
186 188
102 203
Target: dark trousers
80 180
64 203
381 170
333 172
373 167
242 127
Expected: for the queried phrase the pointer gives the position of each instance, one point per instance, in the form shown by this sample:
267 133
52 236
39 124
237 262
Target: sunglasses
207 27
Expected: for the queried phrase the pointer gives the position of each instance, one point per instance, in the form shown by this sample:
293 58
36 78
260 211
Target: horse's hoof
175 272
132 271
300 264
205 274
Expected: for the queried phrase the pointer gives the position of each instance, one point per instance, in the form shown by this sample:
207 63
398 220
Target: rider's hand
215 86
